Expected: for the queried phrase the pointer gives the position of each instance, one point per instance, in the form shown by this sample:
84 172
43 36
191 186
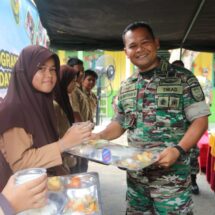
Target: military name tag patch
197 93
168 81
127 88
170 89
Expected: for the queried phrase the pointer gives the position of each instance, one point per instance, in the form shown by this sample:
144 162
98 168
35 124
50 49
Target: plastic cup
26 175
85 124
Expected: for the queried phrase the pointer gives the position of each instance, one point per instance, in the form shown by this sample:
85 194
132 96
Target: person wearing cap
161 106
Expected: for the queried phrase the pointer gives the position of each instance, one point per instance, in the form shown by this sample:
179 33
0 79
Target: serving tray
105 152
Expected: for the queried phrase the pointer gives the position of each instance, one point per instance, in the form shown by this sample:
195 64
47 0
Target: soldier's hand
95 136
168 157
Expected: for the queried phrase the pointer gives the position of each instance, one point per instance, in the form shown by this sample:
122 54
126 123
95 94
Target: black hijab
24 106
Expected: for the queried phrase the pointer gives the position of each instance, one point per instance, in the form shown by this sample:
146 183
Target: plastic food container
54 206
81 193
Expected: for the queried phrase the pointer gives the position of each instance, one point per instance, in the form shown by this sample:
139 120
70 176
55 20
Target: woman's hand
75 135
32 194
168 157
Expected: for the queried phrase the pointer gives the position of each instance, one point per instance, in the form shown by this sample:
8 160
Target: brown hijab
67 74
26 107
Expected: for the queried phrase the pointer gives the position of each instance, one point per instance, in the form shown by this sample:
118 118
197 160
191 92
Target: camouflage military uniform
194 164
157 107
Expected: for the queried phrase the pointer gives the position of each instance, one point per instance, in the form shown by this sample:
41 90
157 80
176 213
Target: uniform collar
162 68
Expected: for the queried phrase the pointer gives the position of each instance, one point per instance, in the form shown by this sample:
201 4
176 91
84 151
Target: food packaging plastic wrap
105 152
77 194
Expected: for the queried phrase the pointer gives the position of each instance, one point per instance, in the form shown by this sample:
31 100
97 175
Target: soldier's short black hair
178 63
135 25
74 61
90 72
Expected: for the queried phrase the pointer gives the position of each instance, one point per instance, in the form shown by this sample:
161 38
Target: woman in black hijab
28 130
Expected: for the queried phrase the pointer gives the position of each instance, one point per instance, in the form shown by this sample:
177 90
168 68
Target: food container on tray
105 152
81 193
55 205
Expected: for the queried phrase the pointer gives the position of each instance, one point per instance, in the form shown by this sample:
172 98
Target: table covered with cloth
203 145
210 167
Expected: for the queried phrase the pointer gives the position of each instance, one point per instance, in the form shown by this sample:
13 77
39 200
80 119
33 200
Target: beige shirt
92 103
69 161
62 121
84 103
21 155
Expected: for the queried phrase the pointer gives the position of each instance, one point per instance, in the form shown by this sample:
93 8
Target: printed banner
20 27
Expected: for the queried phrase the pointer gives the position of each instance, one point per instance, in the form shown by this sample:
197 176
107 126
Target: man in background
74 98
78 66
88 83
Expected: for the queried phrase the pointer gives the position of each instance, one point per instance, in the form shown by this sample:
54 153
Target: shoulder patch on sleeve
192 81
197 93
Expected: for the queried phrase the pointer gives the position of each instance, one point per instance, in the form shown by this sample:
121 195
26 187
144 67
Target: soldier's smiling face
141 48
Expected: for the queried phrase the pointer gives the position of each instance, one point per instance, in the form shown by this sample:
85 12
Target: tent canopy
98 24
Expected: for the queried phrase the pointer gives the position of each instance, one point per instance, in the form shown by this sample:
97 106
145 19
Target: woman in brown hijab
62 105
63 109
28 131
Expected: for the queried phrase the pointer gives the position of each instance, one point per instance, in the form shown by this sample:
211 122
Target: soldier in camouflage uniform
194 153
162 107
194 169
